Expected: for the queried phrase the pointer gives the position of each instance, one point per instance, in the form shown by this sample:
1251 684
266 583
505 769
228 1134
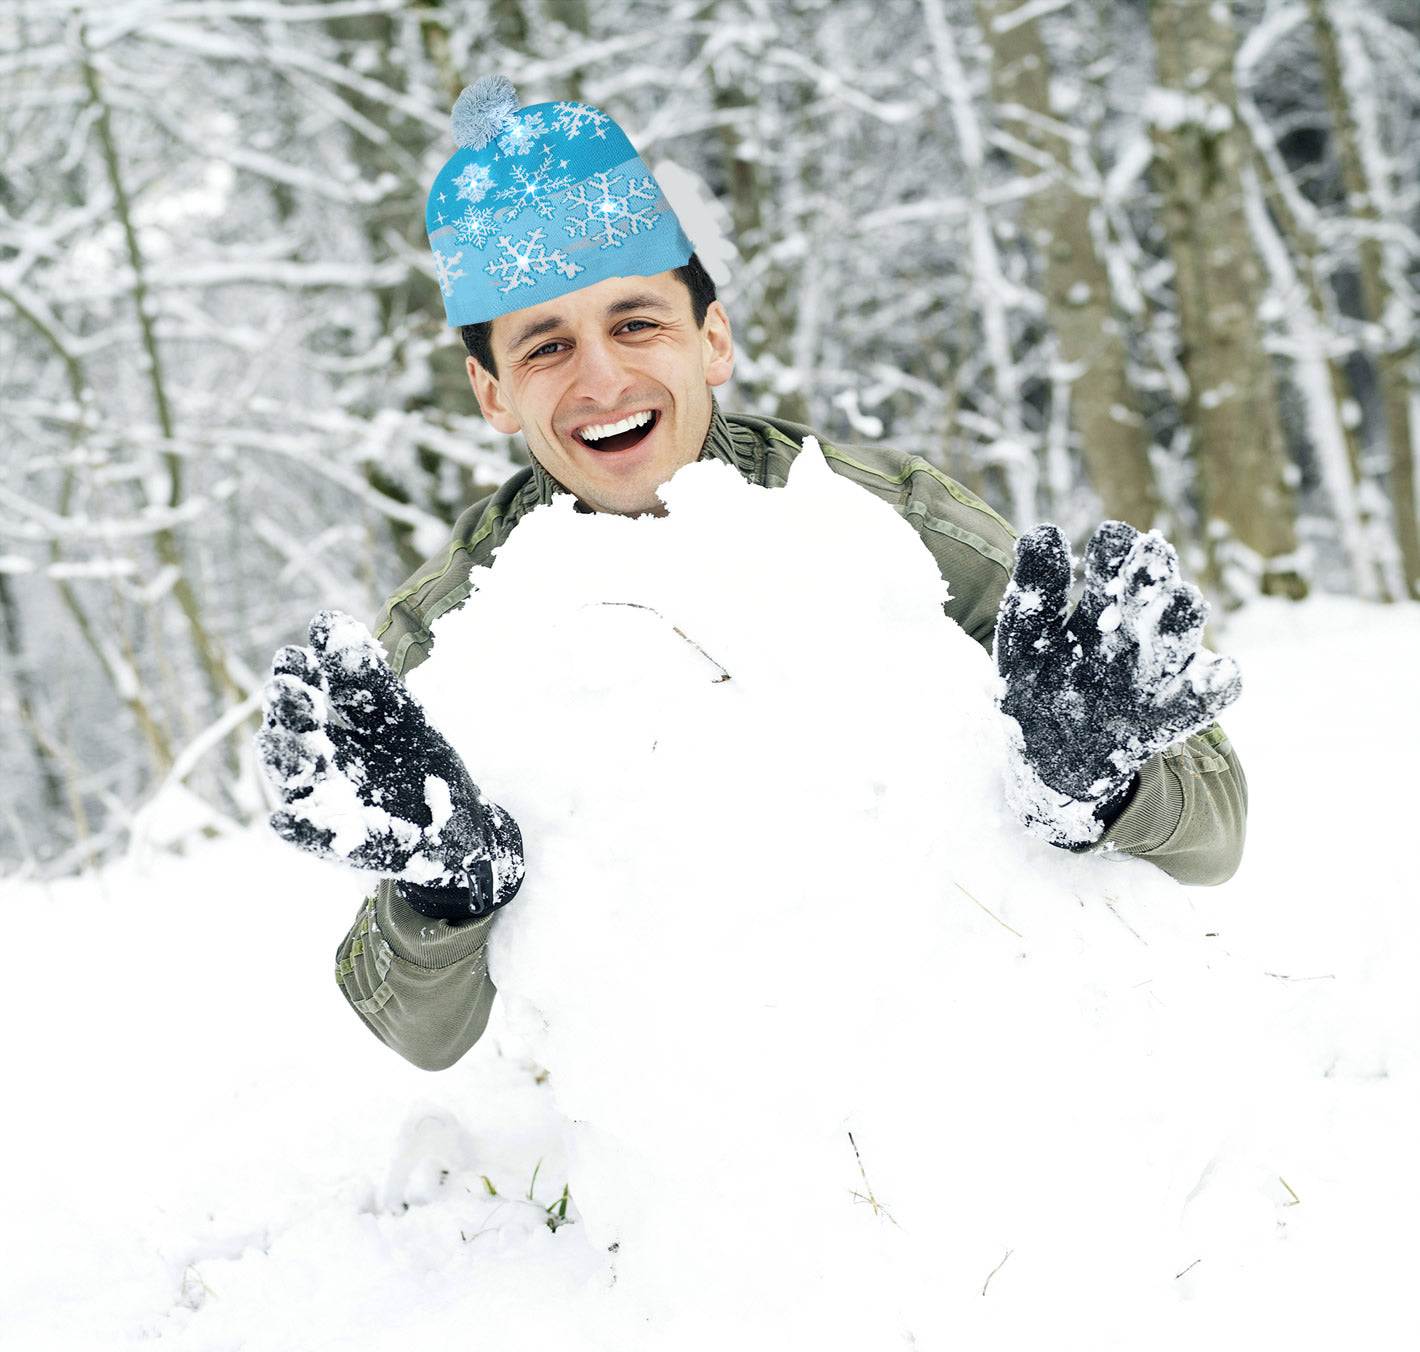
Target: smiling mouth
624 438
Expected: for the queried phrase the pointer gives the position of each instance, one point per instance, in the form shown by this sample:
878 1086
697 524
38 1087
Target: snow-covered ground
1086 1105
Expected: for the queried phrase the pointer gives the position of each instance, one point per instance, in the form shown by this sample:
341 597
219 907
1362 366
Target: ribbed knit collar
737 446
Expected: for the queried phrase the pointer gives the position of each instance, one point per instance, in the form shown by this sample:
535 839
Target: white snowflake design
522 134
526 257
445 267
571 116
535 188
474 227
610 218
473 182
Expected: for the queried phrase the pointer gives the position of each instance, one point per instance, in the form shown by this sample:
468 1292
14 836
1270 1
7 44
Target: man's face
622 354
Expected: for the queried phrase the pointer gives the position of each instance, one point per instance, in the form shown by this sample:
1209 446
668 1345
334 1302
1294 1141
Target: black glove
1096 693
367 782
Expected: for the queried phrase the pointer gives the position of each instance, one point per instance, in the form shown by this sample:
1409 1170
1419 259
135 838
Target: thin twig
1189 1268
636 605
191 1277
724 675
1109 906
878 1208
991 913
1296 1201
994 1271
1325 976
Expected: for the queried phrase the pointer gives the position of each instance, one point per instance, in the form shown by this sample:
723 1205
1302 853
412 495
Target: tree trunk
206 645
1015 449
1113 440
1396 351
22 685
1293 256
774 311
1231 408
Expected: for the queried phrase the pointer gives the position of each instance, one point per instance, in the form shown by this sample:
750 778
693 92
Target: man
594 331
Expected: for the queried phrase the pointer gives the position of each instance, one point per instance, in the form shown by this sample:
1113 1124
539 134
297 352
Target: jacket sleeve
1189 813
420 985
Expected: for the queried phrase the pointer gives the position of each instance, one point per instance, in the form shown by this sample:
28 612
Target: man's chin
625 504
630 494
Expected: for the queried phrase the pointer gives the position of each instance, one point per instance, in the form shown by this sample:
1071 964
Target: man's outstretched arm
367 783
1187 812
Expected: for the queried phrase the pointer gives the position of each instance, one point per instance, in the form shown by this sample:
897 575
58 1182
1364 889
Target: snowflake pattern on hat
474 227
445 269
522 134
609 211
599 211
525 257
571 116
537 188
474 182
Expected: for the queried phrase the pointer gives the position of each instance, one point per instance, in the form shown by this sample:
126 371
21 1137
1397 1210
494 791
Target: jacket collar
725 441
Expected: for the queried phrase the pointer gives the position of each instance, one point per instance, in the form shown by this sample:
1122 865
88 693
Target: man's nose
601 378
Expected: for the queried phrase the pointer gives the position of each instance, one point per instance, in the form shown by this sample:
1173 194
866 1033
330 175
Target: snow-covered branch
39 523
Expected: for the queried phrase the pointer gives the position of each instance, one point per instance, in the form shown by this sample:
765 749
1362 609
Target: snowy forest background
1158 261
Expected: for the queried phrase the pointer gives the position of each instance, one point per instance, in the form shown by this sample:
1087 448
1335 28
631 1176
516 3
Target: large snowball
774 897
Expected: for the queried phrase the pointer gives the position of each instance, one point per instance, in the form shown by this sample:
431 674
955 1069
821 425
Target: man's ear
490 399
719 345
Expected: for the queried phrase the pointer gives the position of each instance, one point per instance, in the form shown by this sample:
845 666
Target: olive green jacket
422 985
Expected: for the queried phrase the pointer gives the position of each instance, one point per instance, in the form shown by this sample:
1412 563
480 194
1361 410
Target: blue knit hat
541 201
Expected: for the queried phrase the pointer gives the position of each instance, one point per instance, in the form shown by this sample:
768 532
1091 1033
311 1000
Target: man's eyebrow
648 301
538 326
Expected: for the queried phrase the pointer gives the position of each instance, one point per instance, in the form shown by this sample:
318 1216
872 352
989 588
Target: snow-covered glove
366 781
1094 694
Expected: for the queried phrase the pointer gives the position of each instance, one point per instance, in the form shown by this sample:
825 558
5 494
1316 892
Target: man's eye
544 350
634 325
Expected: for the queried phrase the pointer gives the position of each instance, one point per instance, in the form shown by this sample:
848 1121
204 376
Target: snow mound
839 1048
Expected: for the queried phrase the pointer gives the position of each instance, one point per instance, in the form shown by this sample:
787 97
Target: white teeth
611 429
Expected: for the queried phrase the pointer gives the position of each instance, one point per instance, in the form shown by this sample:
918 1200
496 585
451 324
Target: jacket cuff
421 941
1153 813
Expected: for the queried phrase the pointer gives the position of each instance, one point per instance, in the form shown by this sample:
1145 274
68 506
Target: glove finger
289 703
296 662
1106 552
1216 682
1180 627
359 680
302 833
1185 613
340 639
1106 559
390 851
1207 686
1151 567
292 763
1044 565
1156 613
344 649
1036 597
322 624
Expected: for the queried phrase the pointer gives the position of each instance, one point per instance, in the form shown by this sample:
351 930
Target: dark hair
478 338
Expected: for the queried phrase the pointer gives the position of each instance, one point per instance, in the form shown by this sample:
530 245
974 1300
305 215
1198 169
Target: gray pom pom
483 110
